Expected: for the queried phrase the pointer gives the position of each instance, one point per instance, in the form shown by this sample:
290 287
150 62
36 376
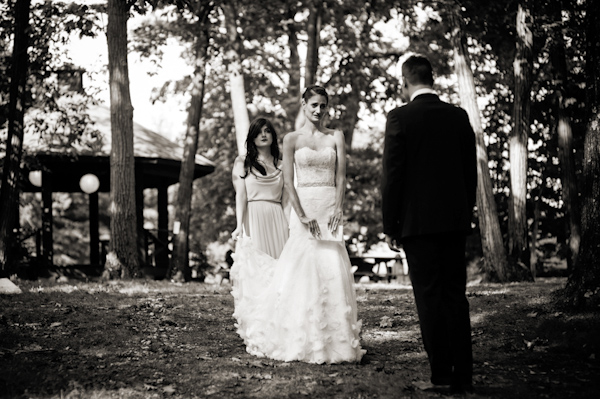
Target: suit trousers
437 270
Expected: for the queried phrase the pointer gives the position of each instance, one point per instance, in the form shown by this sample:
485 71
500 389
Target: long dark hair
251 160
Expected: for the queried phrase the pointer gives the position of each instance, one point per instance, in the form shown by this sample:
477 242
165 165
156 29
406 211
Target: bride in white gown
303 305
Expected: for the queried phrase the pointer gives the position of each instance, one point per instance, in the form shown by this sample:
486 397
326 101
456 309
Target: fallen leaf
169 389
257 363
386 322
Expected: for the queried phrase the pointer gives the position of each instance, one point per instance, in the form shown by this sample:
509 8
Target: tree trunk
349 116
179 268
313 30
582 286
517 213
565 147
533 258
236 77
494 256
11 172
291 103
123 255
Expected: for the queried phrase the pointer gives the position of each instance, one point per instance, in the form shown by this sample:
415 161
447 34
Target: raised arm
289 147
241 198
285 199
340 180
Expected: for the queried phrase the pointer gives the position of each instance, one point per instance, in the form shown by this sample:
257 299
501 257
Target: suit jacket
429 169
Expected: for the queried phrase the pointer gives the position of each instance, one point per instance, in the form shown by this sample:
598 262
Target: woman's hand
236 233
335 220
313 226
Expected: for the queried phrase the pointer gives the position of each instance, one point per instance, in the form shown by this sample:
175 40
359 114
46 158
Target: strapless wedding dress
303 305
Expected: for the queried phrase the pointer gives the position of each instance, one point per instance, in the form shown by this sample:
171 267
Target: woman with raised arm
307 309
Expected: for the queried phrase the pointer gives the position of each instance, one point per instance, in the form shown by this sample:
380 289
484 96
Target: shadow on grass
154 339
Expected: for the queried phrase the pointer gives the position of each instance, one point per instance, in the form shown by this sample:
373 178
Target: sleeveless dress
303 305
264 220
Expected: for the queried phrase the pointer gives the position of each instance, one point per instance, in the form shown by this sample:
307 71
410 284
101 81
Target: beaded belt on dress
265 200
316 184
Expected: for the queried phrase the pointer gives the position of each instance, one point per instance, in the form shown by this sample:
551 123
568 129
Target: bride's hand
236 233
313 226
335 220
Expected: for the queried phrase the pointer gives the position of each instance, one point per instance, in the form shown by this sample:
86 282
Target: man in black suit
428 194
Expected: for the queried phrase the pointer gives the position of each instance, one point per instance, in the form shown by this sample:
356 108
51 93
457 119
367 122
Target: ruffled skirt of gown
303 305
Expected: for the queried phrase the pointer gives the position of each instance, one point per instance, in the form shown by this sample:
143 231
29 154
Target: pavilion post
139 209
94 230
162 252
47 241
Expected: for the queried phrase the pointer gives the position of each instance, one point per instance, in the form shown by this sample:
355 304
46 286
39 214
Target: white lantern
35 178
89 183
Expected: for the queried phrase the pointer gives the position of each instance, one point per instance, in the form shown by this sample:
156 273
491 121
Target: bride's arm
240 195
285 202
340 180
289 146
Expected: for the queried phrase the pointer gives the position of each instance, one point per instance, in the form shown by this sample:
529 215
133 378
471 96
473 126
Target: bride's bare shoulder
291 138
333 132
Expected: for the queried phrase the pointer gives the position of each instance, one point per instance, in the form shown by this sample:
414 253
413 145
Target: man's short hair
417 70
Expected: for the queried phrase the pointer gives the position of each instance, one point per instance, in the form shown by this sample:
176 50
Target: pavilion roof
146 143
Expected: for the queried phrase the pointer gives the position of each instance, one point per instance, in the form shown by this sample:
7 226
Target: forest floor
156 339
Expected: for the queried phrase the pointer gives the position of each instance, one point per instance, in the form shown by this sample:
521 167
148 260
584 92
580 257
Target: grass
155 339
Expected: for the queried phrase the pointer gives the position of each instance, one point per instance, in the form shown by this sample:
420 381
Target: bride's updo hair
251 160
315 91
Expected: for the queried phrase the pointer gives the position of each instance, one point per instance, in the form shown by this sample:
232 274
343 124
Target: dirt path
156 339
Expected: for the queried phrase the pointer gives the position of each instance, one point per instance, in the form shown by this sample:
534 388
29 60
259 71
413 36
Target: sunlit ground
156 339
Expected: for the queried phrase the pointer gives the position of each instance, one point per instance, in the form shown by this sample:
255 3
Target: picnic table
380 267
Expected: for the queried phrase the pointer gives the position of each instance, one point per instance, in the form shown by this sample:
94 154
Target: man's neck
421 89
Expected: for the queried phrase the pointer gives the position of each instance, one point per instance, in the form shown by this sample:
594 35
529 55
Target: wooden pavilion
157 165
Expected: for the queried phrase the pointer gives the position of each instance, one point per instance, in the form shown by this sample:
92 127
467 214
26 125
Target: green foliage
52 116
359 61
362 207
356 66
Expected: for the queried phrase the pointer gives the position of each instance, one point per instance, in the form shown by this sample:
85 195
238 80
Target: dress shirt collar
422 91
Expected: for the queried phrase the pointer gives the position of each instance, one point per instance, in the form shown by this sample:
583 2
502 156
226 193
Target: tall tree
359 60
236 74
582 288
123 255
291 103
494 256
517 214
313 31
180 257
565 139
9 191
